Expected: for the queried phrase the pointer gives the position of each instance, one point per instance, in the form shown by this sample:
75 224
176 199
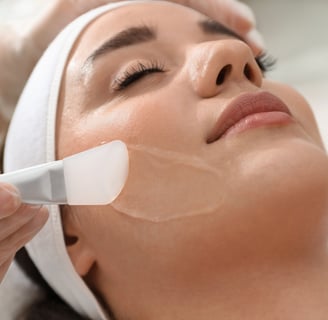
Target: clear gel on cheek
165 185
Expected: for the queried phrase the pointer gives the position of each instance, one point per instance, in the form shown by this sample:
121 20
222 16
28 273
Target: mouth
247 111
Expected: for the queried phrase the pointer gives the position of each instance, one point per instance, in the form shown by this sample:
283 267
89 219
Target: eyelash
138 71
265 62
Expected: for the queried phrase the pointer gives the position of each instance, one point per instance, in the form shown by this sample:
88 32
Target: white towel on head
31 141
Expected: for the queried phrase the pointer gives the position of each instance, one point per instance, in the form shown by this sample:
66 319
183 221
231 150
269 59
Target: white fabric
31 141
17 293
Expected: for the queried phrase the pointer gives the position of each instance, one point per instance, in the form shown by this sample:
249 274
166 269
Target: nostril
223 74
248 72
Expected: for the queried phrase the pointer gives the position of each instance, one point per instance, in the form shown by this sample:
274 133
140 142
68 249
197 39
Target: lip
249 110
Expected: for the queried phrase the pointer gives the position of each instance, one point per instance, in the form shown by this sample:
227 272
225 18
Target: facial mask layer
165 185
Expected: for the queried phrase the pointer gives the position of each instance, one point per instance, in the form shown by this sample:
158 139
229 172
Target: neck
296 290
232 266
290 292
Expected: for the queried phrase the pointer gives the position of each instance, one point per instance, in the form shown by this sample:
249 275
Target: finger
15 241
15 221
9 200
237 15
5 266
255 41
233 14
240 18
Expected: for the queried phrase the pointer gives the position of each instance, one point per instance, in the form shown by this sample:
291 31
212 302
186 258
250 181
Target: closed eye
266 62
136 73
140 70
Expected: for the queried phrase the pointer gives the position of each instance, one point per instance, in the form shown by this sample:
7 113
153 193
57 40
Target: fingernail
244 10
32 210
35 207
255 38
9 195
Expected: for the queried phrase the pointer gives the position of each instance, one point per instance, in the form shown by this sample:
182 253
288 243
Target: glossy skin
261 254
20 51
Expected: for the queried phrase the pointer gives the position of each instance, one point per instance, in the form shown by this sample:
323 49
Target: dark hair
52 307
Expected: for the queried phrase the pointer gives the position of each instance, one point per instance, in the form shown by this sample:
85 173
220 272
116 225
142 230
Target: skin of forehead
123 17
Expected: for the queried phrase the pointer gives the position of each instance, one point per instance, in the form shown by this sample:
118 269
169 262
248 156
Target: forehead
166 17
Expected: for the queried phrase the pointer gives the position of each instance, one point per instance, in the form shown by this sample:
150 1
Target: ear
79 251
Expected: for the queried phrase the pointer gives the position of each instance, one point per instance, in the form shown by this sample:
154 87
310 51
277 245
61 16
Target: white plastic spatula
92 177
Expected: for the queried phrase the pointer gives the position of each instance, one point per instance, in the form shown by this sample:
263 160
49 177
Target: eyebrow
125 38
137 35
209 26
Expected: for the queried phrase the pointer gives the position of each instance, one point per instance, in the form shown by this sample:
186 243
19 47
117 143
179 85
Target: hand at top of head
23 53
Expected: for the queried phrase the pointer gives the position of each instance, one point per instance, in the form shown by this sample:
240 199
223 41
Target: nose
215 65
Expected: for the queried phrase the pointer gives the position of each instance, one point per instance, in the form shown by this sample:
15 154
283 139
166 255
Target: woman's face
161 86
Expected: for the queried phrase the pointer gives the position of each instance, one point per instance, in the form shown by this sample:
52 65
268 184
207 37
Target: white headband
31 141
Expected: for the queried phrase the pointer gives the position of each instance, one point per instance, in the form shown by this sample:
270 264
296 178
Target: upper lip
242 106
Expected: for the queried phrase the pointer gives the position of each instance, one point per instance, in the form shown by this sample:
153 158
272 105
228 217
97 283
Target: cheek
154 119
157 119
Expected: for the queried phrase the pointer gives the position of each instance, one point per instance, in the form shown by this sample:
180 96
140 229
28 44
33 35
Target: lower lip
273 118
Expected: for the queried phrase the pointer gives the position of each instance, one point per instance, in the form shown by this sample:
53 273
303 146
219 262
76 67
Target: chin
288 180
278 205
